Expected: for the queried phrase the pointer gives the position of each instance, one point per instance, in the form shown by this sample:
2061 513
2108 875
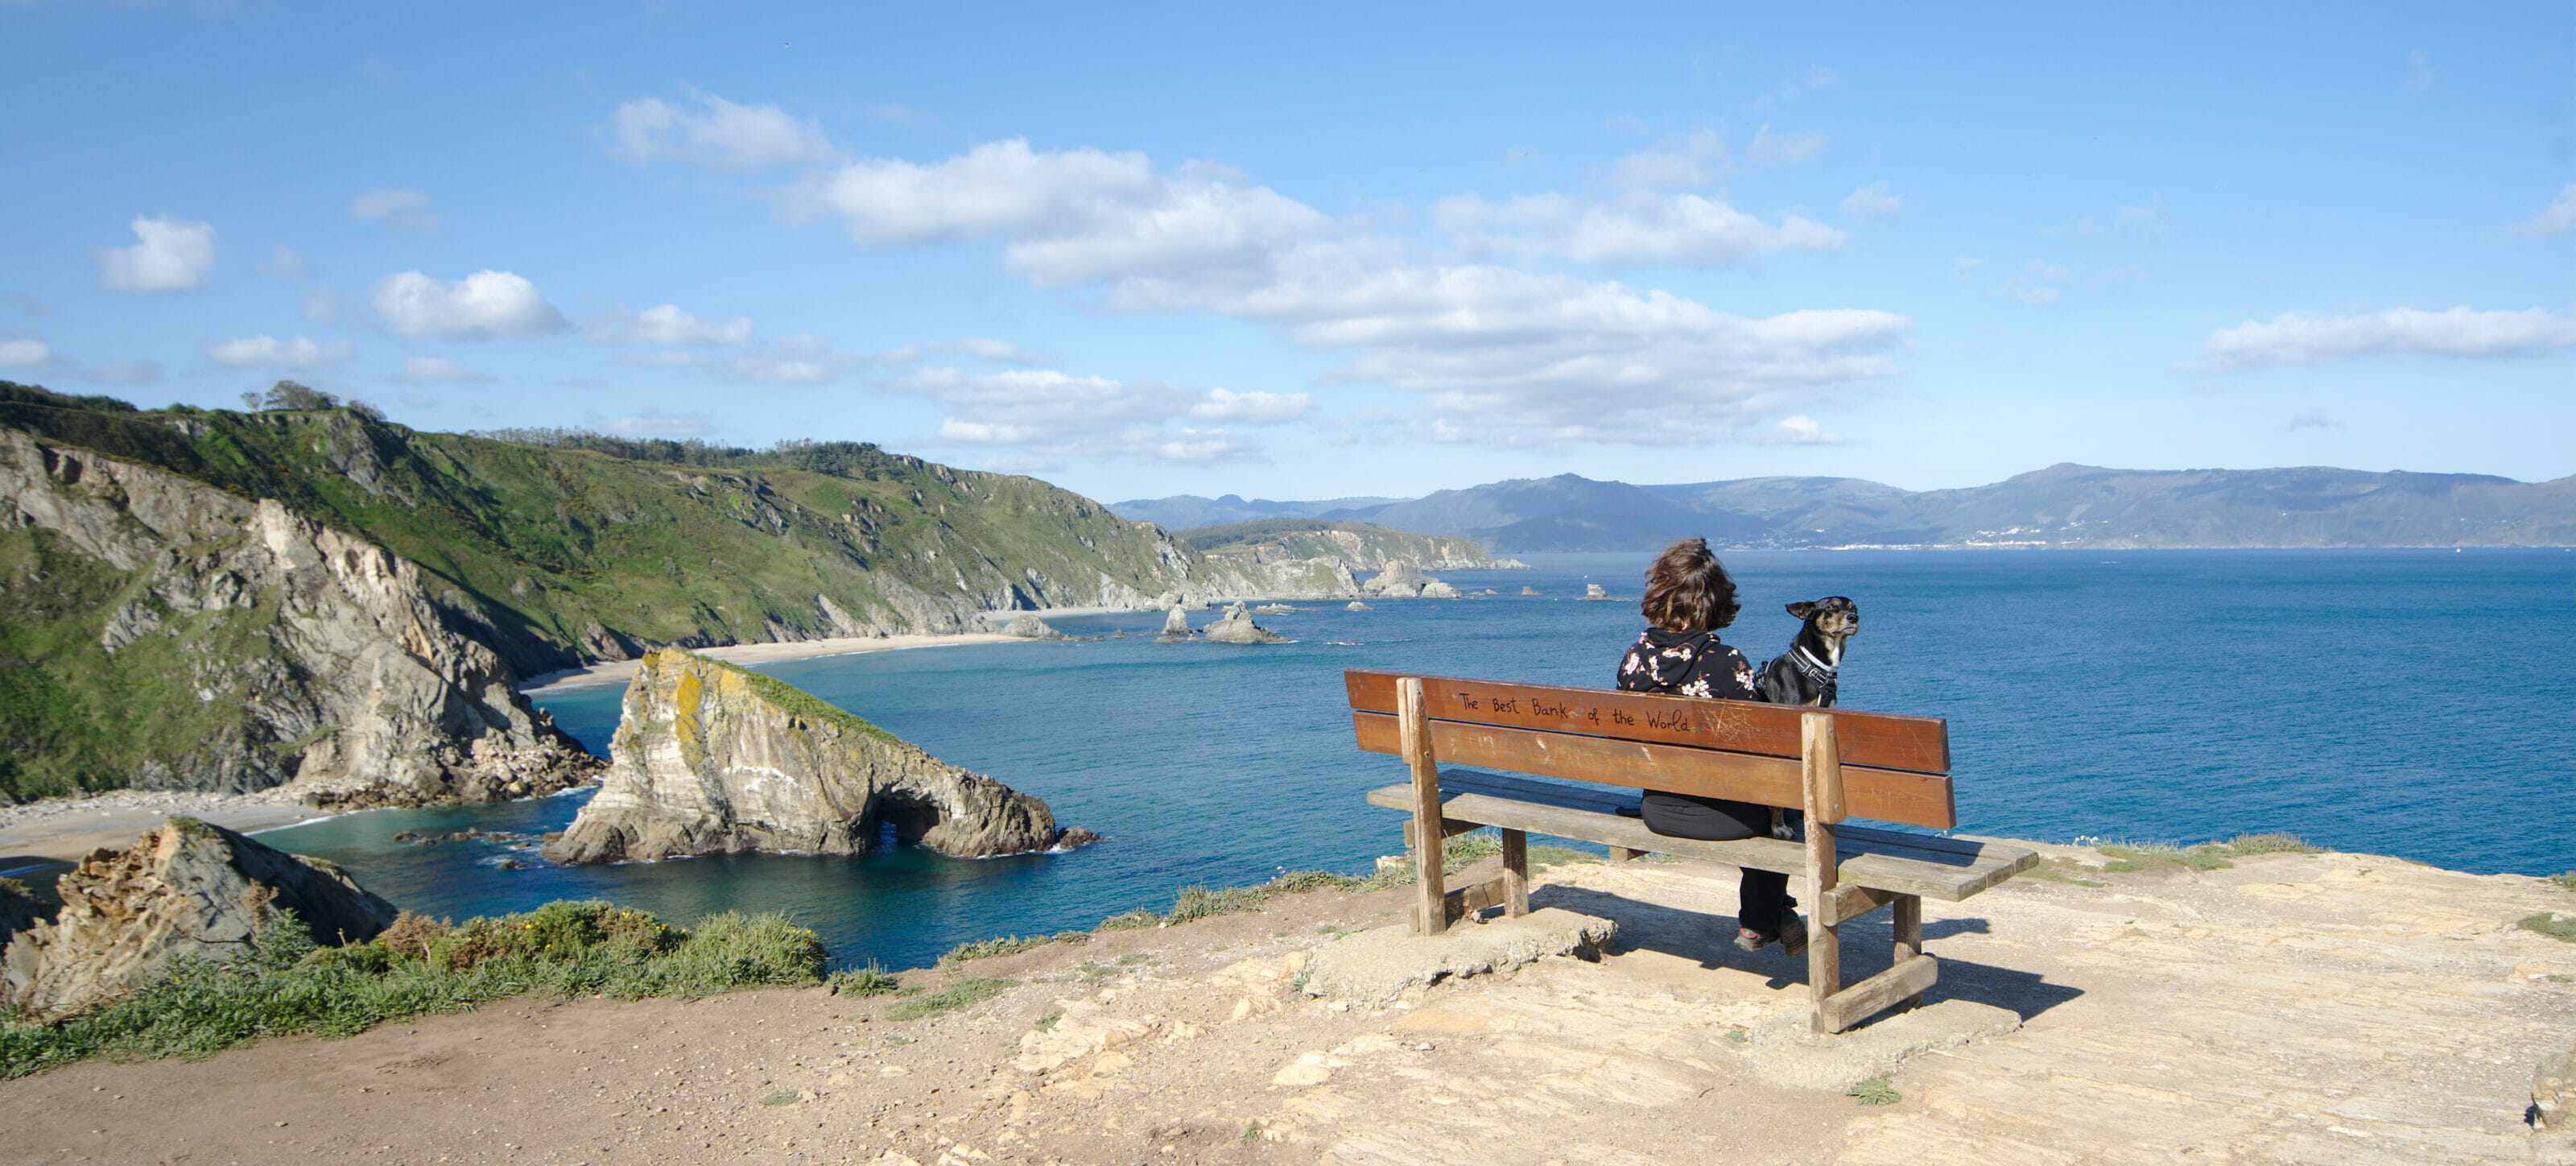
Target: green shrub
995 948
964 993
1130 921
284 983
861 982
2566 881
2157 855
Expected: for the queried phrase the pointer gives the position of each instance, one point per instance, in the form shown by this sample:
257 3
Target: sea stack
710 759
185 888
1237 628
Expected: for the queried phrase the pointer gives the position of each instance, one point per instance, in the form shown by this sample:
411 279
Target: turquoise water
2411 703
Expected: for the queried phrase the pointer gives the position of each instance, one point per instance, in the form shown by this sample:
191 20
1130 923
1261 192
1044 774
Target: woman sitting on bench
1688 597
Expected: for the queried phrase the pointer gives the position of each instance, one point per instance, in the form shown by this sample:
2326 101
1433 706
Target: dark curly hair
1687 589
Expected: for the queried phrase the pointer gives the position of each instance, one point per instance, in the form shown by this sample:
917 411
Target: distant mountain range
2065 505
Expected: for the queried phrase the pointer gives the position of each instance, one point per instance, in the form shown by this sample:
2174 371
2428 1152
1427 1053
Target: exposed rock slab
1237 628
710 758
1377 967
185 888
1027 626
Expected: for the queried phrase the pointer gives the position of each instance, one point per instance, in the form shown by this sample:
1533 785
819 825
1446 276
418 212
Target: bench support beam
1516 873
1907 980
1909 936
1465 901
1821 771
1413 719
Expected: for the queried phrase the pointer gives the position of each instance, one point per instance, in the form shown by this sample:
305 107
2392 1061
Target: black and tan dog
1805 674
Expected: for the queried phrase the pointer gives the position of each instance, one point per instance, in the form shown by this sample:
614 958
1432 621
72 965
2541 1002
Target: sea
2412 703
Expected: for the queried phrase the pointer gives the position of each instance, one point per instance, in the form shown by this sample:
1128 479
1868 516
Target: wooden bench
1831 763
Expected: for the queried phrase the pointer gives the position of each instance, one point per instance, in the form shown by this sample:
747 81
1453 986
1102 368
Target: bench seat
1948 869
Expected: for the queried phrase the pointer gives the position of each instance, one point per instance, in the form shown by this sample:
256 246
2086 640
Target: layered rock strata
249 647
710 758
185 888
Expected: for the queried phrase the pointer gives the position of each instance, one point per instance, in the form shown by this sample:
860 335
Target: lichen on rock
710 758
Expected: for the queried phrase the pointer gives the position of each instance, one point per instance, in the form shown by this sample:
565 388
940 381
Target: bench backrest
1894 768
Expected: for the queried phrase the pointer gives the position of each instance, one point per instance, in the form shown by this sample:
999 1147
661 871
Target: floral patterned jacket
1686 664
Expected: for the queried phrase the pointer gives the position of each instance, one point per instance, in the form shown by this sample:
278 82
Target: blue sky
1328 251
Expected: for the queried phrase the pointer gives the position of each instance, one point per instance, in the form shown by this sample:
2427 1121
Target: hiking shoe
1790 934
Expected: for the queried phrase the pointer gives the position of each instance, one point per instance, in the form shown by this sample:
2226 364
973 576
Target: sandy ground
621 671
2297 1009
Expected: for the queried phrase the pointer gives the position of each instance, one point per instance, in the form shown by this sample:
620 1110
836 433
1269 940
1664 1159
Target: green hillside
576 553
1360 546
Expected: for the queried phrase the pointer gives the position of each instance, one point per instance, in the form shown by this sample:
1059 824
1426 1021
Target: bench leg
1515 872
1623 854
1908 913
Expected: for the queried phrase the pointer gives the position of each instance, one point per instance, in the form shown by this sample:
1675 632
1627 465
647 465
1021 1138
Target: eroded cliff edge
166 634
710 758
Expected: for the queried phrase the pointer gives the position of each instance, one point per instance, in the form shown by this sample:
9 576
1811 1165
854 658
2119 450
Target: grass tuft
2245 844
1131 921
994 948
863 982
964 993
1875 1091
2552 924
782 1097
2566 881
285 984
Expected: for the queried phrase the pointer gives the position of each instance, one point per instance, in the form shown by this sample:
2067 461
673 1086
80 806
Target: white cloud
1793 148
396 207
1497 354
1799 429
2310 419
1638 228
667 325
23 353
2305 338
1965 268
1693 159
900 115
171 255
482 306
268 351
800 358
431 370
718 135
1629 124
2559 219
1874 204
1047 412
656 423
1519 156
1252 408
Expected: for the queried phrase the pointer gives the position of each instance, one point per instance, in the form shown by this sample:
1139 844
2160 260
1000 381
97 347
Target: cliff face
710 758
157 632
186 888
1354 546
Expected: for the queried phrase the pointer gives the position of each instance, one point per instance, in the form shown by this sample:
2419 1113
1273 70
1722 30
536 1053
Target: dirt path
2300 1009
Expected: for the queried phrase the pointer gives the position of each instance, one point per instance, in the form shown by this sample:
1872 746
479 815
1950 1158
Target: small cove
2378 701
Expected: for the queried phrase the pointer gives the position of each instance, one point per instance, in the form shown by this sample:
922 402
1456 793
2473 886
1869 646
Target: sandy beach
63 830
621 671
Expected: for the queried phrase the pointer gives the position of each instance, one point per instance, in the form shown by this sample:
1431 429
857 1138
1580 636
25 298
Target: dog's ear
1802 609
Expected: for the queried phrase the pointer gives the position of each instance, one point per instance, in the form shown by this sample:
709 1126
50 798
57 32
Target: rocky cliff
162 633
187 888
710 758
1355 546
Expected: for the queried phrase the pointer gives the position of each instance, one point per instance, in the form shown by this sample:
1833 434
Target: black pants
1763 896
